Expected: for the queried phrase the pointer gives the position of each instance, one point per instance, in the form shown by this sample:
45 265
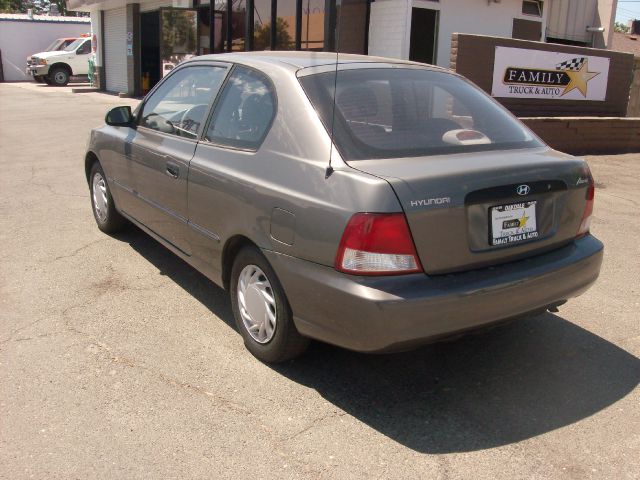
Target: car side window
84 48
244 112
180 104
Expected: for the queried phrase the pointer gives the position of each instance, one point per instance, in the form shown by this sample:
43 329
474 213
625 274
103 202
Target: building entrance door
424 34
149 50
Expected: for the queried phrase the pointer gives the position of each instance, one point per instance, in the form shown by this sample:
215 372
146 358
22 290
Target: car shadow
187 277
481 391
68 85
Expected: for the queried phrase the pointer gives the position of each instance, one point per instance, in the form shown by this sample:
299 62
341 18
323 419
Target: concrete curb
84 90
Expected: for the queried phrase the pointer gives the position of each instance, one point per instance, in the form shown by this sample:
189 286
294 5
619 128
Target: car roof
296 60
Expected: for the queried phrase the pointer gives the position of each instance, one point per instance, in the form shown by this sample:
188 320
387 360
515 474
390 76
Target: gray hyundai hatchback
371 203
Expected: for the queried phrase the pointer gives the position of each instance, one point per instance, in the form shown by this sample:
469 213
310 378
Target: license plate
513 223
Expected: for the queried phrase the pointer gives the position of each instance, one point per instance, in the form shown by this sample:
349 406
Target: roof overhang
94 5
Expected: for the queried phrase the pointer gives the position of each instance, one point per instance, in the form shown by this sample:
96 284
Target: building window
244 112
204 29
261 24
532 7
564 41
241 25
178 36
312 36
352 26
219 26
526 29
238 25
286 25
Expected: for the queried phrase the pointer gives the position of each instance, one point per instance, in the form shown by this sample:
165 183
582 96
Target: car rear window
405 112
244 111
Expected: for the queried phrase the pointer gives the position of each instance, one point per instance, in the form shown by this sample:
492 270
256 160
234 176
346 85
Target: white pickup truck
56 68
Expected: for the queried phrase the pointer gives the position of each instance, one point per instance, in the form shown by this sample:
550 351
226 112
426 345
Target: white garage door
115 49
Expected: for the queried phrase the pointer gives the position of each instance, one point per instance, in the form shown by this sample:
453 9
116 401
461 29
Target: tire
45 79
283 342
38 78
102 204
59 76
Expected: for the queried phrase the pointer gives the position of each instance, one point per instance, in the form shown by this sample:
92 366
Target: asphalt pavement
117 360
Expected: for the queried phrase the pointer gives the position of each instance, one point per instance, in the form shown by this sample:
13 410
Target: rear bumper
386 313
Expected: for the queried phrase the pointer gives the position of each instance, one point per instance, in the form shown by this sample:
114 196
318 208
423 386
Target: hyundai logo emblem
523 190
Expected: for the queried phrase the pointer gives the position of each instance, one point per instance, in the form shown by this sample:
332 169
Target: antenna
329 169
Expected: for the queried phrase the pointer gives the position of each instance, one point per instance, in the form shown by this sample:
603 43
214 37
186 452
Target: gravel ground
117 360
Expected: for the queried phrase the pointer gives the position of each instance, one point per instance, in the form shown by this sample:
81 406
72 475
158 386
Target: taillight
588 209
377 244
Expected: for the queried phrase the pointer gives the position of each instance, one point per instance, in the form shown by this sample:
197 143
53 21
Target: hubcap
100 201
257 304
60 77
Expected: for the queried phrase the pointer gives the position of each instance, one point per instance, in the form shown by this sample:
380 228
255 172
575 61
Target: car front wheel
104 210
261 310
59 76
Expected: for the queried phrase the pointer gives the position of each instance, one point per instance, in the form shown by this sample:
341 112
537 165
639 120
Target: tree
620 28
179 30
262 35
39 7
14 6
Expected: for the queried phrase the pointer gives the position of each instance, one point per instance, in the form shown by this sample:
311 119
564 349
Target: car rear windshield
408 112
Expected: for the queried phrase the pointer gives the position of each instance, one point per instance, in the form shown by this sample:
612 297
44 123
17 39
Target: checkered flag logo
574 64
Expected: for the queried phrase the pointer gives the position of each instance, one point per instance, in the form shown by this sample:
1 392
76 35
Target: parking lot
117 360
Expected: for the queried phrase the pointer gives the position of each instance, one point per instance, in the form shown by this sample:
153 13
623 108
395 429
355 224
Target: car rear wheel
104 210
261 310
59 76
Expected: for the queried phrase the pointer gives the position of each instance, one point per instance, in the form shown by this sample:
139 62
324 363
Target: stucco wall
390 25
20 39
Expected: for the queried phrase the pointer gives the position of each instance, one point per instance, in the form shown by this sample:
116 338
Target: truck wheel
261 310
59 76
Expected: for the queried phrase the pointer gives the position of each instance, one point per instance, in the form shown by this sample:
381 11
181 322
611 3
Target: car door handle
173 170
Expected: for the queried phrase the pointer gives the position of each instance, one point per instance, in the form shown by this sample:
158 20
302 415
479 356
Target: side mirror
119 117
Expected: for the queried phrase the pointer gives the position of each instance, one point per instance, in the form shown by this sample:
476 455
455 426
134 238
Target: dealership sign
521 73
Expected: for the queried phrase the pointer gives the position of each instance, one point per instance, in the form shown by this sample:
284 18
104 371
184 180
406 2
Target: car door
79 60
165 140
224 176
